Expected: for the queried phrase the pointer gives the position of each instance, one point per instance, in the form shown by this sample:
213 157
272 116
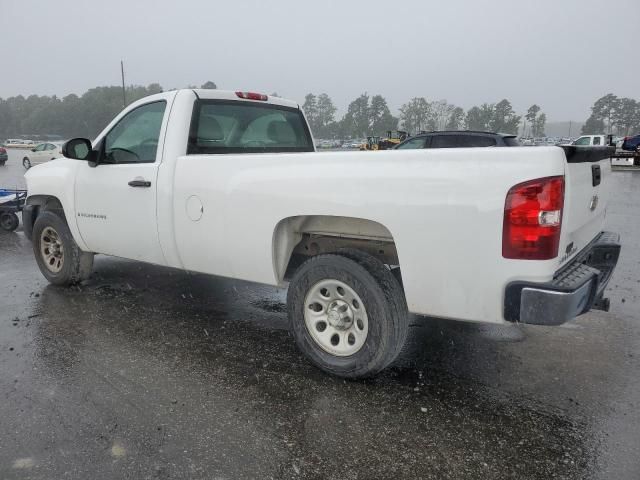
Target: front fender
52 182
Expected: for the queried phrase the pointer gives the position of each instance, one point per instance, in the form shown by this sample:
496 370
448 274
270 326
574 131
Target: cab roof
215 94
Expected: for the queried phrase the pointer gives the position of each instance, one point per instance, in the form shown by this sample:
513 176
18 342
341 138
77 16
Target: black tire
2 163
75 265
9 221
26 163
636 161
383 299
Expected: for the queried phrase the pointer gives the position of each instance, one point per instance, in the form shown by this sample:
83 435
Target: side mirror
78 149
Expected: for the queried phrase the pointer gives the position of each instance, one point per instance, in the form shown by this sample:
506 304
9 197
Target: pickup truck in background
627 148
591 140
229 184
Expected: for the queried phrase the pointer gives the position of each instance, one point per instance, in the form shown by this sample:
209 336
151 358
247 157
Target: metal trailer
627 155
11 202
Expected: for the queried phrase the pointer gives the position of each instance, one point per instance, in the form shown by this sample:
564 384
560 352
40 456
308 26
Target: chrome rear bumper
575 289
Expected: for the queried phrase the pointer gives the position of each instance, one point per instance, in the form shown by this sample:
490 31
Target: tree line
70 116
86 115
611 114
371 115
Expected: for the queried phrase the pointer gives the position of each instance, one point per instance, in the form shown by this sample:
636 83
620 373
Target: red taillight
252 96
532 219
2 150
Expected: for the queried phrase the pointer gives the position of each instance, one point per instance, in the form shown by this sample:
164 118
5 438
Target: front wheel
58 256
348 313
26 163
9 221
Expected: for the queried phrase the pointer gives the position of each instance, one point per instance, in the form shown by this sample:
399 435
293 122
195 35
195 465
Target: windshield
243 127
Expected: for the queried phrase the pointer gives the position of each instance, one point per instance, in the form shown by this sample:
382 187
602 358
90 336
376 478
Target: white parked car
229 184
43 152
17 143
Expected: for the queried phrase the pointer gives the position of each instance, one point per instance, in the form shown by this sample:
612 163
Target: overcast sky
560 54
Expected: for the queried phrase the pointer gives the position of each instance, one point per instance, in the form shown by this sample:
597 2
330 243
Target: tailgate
586 196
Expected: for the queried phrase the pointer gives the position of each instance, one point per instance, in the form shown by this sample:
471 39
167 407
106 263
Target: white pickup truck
591 140
229 184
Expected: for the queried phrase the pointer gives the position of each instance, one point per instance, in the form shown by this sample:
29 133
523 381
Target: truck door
115 201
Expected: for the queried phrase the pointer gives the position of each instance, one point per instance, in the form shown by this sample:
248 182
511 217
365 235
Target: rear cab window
230 126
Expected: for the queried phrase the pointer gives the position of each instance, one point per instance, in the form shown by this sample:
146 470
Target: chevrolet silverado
229 184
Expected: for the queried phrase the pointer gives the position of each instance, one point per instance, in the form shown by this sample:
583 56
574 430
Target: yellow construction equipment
392 139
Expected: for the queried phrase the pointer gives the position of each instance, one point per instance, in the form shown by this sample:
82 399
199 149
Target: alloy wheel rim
336 317
51 249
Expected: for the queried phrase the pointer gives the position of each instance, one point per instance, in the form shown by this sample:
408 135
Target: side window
418 142
477 141
582 141
134 139
40 147
444 141
462 141
596 140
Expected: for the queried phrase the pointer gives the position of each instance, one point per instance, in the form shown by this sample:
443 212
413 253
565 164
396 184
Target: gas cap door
194 208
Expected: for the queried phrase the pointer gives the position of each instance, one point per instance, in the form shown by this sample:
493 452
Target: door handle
139 183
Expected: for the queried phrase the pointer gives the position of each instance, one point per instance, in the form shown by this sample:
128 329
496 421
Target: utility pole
124 95
569 128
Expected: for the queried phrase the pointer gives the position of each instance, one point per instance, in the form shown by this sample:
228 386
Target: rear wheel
9 221
58 256
26 163
347 313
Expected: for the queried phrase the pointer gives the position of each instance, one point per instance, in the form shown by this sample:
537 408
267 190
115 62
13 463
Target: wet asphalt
149 372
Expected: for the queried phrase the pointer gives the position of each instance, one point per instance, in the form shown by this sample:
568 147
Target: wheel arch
36 204
50 202
298 237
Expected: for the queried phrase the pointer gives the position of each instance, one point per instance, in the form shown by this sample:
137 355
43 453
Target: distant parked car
458 139
43 152
16 143
631 144
3 156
